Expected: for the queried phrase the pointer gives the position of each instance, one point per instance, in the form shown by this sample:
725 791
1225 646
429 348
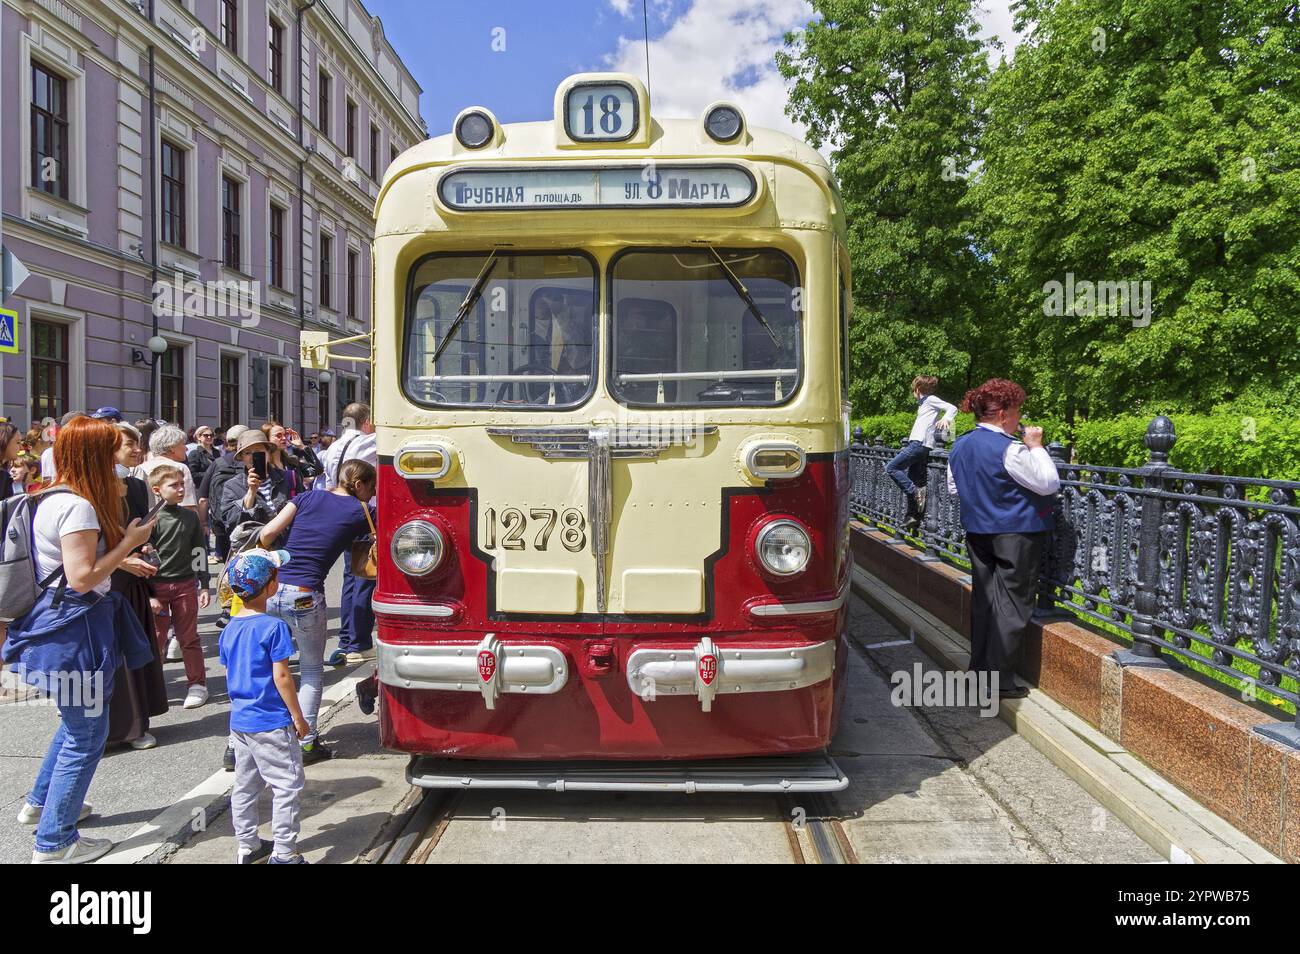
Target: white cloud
725 49
720 49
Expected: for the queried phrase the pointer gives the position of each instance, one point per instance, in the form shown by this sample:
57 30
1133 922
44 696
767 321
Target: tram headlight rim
764 534
466 116
438 545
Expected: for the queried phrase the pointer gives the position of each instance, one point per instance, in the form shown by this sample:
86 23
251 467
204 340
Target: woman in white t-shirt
72 641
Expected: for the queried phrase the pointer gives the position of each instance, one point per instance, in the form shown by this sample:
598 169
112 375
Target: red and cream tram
609 397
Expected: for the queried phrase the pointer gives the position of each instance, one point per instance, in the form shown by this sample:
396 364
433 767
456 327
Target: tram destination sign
608 187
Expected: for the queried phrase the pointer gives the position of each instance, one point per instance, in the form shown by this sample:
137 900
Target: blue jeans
907 469
356 615
304 612
66 773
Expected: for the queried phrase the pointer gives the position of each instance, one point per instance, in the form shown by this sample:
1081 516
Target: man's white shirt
353 445
1030 467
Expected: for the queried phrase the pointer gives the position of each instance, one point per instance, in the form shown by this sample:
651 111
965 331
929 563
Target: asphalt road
130 786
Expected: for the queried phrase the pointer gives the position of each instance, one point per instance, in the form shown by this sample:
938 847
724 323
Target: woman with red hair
1007 493
70 644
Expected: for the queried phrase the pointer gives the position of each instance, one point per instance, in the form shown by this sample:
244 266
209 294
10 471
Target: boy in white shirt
907 469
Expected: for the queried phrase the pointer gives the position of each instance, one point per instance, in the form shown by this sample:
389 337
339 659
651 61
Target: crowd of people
130 524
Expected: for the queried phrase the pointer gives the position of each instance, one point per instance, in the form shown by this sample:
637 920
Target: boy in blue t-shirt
265 719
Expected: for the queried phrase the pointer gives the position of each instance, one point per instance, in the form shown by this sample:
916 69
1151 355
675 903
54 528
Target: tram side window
527 340
723 350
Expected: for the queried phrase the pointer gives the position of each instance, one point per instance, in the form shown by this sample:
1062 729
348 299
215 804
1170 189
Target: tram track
813 833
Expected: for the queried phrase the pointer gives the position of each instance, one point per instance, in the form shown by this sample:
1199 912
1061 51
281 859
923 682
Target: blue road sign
8 331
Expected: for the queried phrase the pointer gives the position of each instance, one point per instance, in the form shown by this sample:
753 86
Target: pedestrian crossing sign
8 331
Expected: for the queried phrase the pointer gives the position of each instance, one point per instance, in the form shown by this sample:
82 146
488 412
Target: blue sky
700 51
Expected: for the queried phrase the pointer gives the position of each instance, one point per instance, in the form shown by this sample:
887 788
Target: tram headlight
474 129
418 548
783 548
723 122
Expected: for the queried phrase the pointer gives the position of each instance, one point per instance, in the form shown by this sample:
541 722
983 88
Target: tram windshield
705 327
527 339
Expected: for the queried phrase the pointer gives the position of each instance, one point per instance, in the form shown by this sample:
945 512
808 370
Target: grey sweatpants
267 758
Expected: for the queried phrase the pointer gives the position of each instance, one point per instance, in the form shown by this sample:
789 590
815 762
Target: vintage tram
610 405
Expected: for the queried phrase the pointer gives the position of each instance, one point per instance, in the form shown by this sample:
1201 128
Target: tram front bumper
706 670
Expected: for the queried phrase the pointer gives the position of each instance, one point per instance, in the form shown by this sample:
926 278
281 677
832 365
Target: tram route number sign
613 187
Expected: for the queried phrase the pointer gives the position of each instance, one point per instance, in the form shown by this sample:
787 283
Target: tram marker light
425 463
475 128
723 122
775 460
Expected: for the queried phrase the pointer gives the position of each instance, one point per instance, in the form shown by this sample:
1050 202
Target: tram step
812 772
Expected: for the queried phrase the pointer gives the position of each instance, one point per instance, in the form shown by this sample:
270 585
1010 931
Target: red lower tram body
761 672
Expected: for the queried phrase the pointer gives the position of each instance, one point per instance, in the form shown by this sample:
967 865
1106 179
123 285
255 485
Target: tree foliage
891 87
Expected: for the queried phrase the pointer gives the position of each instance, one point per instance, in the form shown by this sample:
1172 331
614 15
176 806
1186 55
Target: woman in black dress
139 693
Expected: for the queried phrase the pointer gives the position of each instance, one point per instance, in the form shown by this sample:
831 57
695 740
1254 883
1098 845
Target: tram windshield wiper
467 305
746 297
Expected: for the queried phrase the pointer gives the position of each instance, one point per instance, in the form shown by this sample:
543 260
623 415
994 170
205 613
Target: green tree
1148 141
892 87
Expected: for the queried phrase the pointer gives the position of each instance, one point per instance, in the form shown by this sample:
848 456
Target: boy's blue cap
108 414
252 570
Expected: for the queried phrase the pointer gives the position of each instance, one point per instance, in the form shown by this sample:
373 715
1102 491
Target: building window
230 223
352 283
323 104
347 391
230 25
49 370
173 194
392 154
323 415
352 129
277 246
230 410
49 132
275 57
275 390
326 276
171 379
374 152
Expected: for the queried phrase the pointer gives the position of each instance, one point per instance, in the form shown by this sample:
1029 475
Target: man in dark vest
1007 493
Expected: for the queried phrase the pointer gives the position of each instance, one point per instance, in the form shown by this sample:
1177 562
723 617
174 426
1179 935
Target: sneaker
145 741
228 759
197 695
79 852
173 650
30 815
294 859
213 559
364 655
223 619
337 658
314 752
261 853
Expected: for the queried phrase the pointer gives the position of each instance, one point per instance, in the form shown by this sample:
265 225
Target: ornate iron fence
1202 566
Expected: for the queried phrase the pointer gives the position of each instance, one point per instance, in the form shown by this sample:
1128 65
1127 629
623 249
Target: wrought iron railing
1202 566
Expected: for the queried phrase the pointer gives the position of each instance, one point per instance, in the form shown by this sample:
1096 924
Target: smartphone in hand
259 464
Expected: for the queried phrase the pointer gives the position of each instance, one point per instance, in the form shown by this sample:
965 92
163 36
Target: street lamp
324 377
157 344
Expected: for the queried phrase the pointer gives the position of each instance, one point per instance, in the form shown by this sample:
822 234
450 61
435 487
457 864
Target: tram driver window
500 330
705 326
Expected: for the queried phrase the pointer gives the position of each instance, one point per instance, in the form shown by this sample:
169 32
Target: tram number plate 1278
508 528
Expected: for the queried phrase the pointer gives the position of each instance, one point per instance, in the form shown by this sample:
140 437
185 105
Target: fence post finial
1160 438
